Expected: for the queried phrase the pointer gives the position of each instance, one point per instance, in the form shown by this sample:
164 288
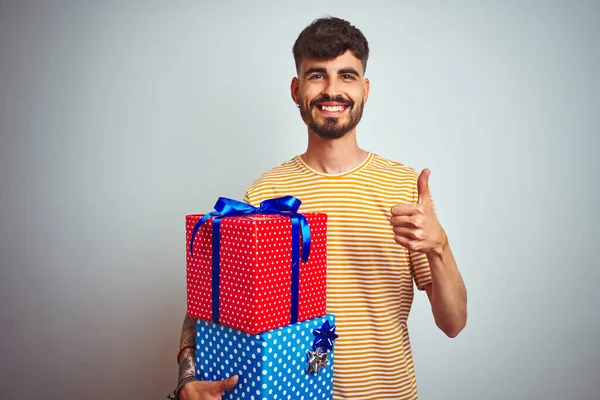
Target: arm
447 293
189 387
417 228
187 364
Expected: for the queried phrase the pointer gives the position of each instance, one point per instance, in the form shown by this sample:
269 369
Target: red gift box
255 271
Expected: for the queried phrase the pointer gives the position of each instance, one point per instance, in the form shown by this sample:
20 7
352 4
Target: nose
331 89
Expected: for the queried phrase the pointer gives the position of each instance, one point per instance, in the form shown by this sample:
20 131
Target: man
383 233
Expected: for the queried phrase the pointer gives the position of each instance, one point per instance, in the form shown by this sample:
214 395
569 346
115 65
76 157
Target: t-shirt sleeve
251 197
419 265
259 191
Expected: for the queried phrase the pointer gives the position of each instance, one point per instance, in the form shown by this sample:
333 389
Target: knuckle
417 221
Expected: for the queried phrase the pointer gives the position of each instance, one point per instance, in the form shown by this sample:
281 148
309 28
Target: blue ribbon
287 205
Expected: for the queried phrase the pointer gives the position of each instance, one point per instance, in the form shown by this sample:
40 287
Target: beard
332 127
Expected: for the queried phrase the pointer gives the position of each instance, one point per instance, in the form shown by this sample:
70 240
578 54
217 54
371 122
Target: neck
334 156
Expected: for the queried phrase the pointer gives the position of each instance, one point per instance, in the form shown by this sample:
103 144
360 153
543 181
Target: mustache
336 99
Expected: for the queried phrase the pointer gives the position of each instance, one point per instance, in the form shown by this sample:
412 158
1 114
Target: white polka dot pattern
270 365
255 285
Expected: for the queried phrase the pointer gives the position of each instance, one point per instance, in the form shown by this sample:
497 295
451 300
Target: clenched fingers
406 209
410 233
408 221
409 244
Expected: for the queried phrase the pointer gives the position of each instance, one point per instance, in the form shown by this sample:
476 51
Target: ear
367 87
294 89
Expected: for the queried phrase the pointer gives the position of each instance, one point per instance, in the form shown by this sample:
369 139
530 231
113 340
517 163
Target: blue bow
286 205
325 336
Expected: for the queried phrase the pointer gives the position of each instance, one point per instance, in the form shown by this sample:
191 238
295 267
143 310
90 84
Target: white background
117 118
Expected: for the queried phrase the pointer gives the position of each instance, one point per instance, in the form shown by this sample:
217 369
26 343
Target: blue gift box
274 365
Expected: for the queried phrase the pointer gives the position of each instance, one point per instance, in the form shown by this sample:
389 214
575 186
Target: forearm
187 364
448 292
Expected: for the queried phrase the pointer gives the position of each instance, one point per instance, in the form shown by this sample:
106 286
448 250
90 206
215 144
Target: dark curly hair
329 37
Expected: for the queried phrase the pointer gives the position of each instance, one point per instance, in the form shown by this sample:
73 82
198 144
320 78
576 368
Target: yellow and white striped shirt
369 276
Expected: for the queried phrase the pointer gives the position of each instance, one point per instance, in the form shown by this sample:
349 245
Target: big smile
331 109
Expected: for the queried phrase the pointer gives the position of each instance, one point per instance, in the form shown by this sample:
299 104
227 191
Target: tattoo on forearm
186 367
188 331
188 337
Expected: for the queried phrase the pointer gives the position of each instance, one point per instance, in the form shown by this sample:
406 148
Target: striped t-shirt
369 276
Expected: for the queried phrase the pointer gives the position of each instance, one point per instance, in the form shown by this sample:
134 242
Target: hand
207 390
416 226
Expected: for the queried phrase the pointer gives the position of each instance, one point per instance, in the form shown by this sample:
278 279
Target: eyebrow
313 70
321 70
348 70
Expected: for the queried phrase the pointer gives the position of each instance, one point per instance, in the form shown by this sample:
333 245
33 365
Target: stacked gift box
256 285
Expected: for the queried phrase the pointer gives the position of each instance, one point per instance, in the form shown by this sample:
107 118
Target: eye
348 77
316 76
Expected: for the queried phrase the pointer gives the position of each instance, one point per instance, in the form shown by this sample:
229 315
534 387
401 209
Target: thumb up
416 226
423 187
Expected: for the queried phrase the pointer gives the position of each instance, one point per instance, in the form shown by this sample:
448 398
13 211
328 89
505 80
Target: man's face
331 94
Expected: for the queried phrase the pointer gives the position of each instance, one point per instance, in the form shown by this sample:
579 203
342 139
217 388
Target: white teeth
332 108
